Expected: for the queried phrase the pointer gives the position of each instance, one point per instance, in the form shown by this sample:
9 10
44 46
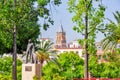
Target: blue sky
62 16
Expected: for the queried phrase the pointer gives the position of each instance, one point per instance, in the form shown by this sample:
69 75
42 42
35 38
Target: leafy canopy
81 8
112 33
25 17
69 65
6 68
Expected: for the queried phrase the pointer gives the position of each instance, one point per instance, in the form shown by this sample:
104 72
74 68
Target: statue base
30 70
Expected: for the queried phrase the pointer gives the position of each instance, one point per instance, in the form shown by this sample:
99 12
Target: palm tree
112 36
44 52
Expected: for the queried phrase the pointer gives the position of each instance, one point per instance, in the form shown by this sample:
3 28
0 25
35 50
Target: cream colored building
76 50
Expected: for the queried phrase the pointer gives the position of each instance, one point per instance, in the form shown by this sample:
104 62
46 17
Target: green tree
57 77
25 17
44 52
69 66
20 16
88 19
112 34
65 70
6 68
112 57
109 69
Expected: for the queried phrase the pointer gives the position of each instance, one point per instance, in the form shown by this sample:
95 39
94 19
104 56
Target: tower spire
61 29
61 38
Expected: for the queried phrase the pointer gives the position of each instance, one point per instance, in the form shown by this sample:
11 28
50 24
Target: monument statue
33 68
30 52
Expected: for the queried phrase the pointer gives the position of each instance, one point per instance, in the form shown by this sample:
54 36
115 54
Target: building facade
61 46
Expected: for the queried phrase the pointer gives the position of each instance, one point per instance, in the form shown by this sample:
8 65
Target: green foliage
104 70
108 70
35 78
88 21
57 77
112 33
44 52
25 17
6 68
81 8
4 77
5 64
113 57
44 12
69 65
94 67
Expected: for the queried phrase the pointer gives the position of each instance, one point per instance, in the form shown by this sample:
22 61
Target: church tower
61 38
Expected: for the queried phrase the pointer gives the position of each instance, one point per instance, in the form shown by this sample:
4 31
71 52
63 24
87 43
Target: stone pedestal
30 70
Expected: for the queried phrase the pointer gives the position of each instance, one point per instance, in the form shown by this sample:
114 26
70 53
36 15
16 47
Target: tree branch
8 30
89 4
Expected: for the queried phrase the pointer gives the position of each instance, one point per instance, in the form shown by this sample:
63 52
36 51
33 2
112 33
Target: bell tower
61 38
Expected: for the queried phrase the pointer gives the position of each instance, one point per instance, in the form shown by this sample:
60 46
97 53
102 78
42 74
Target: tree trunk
86 43
41 70
14 70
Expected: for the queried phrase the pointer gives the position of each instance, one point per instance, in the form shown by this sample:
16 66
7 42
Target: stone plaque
28 68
